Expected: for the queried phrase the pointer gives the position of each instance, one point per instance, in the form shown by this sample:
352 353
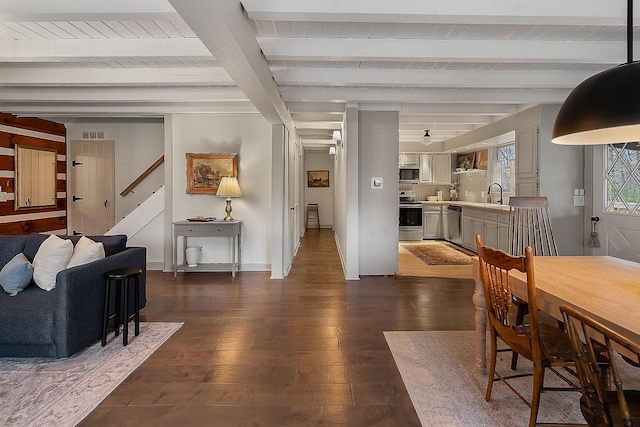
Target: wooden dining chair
600 406
544 344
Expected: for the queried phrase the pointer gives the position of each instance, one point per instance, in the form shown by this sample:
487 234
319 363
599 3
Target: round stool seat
123 273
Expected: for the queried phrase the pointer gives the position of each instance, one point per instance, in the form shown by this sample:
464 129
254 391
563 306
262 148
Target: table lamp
229 188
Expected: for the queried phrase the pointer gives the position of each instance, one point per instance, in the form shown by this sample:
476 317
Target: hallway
306 350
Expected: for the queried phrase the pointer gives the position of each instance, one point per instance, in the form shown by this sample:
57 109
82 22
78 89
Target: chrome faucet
489 191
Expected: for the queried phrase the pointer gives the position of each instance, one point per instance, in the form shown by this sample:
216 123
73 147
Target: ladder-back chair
589 338
530 225
544 344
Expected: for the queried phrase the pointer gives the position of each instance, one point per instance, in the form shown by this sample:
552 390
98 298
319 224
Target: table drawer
209 230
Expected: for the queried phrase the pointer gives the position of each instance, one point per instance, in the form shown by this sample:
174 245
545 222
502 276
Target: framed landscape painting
318 179
205 170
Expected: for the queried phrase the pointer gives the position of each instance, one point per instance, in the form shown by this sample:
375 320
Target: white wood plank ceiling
450 67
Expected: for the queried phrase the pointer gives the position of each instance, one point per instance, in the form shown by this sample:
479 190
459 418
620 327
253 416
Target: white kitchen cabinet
491 224
409 159
526 173
435 168
472 224
432 222
490 229
503 231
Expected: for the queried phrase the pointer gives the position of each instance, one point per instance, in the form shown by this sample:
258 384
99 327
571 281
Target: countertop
494 206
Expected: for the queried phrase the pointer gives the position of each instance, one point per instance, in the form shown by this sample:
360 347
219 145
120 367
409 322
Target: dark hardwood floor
308 350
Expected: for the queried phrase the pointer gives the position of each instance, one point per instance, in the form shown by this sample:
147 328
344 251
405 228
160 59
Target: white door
618 231
294 205
92 183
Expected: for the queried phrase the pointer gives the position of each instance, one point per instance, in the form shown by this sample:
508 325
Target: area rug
61 392
447 390
433 252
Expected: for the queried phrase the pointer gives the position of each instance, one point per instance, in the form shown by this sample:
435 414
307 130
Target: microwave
409 174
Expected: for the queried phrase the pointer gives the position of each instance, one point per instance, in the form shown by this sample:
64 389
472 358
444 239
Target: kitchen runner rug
61 392
434 252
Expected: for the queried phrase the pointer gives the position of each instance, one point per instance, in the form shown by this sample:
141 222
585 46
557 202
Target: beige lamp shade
229 188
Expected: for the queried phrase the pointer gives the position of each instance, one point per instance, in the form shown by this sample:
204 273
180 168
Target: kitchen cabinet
503 231
409 159
490 230
491 224
526 174
472 224
435 168
432 222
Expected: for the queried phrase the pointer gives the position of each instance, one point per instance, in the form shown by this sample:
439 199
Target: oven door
411 216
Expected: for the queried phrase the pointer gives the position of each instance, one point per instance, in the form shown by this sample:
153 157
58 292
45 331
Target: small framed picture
318 179
205 170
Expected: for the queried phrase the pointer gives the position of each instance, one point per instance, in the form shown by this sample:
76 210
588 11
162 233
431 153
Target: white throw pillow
86 251
52 257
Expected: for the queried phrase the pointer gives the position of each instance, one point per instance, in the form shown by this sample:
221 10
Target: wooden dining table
604 287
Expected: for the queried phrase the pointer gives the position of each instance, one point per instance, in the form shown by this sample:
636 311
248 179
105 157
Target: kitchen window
503 167
622 187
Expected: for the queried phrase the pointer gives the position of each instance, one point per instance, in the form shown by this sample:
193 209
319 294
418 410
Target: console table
219 228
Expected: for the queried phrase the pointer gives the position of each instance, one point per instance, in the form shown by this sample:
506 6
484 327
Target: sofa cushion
85 251
16 275
11 245
28 318
52 257
112 244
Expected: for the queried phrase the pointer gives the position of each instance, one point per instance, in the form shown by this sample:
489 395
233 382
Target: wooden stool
313 214
120 279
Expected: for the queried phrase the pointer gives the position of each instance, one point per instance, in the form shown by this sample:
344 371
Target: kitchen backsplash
424 190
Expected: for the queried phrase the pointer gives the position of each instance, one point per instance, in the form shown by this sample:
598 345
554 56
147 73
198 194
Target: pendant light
605 108
426 139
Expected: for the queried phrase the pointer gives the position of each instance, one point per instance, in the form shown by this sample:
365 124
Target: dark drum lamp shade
605 108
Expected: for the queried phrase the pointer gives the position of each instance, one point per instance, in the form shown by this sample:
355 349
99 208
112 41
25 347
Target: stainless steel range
410 217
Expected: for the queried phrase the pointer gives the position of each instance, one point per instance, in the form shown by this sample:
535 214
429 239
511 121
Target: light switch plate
578 200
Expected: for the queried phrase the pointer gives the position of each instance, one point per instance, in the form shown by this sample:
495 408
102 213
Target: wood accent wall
35 133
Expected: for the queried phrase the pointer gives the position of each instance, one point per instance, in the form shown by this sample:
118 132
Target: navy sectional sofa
58 323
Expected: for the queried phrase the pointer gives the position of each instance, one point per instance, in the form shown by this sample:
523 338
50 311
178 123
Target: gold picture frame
205 170
318 179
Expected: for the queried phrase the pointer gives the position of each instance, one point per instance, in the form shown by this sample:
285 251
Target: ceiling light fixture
426 139
605 108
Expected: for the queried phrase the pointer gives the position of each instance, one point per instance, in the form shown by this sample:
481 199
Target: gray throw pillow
16 275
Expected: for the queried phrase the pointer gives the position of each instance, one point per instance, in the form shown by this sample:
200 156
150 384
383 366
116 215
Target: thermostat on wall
376 182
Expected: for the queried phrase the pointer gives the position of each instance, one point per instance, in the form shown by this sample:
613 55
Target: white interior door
618 233
92 210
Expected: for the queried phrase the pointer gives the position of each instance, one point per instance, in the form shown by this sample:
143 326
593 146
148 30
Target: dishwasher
454 214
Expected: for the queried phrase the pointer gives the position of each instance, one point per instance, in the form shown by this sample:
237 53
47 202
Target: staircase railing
142 176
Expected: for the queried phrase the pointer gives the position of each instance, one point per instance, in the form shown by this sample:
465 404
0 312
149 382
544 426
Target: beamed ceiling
447 66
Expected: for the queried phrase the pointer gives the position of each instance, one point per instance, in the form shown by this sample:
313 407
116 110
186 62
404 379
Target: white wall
324 197
250 137
561 171
378 208
346 196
